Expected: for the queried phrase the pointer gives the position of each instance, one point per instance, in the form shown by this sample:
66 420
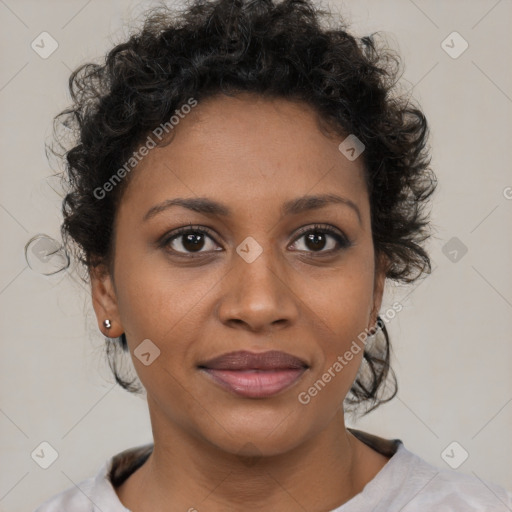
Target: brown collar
127 462
387 447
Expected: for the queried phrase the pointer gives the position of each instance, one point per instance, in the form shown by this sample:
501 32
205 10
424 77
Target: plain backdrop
451 341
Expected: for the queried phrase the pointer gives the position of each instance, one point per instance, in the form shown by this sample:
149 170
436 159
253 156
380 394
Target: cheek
154 299
342 301
339 308
339 340
169 307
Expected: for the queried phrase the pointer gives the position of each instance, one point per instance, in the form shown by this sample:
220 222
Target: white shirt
406 483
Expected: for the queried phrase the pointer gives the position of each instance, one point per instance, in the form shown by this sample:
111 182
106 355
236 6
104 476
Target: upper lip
245 360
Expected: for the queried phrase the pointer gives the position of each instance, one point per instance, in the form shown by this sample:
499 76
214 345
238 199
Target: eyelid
343 240
189 228
327 228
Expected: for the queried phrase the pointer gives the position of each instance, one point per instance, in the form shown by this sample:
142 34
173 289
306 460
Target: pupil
316 238
196 241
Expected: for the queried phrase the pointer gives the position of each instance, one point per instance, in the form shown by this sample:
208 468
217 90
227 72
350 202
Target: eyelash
343 241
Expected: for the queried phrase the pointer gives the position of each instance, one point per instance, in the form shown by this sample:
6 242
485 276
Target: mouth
254 375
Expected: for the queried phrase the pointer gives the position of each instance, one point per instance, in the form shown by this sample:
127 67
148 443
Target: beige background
452 341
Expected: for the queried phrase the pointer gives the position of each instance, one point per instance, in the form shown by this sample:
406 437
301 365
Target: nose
258 296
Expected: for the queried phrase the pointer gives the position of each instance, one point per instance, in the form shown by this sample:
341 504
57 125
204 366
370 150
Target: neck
320 474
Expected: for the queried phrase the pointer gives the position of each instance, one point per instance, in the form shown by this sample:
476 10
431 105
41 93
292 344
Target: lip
255 375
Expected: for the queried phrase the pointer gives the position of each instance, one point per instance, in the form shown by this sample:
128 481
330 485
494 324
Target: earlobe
104 302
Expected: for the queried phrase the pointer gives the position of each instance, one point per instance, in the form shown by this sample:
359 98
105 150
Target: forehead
247 149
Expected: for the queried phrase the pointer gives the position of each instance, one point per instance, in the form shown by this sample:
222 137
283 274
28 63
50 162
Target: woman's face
259 280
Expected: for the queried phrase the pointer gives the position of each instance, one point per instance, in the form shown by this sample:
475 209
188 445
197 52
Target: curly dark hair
277 50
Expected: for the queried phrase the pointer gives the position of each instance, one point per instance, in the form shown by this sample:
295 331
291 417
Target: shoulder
447 490
74 499
98 493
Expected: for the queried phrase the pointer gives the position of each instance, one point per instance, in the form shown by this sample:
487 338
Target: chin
257 434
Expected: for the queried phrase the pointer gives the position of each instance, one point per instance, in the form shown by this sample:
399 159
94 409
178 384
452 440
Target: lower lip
256 383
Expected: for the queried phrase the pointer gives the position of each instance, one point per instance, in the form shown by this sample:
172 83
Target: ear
381 268
104 301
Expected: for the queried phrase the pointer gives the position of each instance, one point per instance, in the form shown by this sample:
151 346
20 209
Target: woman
243 182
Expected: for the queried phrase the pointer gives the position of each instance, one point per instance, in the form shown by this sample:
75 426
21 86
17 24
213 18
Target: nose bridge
256 289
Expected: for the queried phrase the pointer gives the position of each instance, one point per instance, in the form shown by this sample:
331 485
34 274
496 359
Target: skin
214 450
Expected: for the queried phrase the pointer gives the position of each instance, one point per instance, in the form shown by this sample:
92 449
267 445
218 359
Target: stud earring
378 325
107 323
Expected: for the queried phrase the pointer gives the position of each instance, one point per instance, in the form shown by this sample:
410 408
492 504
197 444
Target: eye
316 239
189 240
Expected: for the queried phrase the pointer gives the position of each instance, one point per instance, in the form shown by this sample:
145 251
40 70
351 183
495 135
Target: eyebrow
292 207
